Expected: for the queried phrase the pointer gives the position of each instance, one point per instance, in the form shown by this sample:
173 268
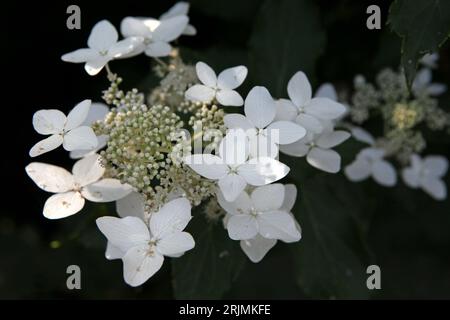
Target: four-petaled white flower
427 174
370 162
154 34
232 169
67 131
263 132
305 110
219 87
262 218
180 9
317 148
72 189
103 47
97 112
422 83
144 247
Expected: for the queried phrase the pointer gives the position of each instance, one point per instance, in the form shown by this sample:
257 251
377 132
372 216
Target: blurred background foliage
346 226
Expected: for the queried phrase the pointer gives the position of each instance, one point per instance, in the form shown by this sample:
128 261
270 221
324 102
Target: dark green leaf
424 26
287 38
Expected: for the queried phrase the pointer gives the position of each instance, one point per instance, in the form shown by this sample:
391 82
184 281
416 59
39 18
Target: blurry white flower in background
103 47
180 9
216 87
72 189
67 131
422 83
144 247
430 60
427 174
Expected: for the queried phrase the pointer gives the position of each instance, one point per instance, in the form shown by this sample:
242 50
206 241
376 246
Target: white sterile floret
306 110
430 60
155 35
71 190
422 84
261 218
264 133
67 131
144 246
98 111
103 46
232 169
370 162
180 9
216 87
427 174
317 148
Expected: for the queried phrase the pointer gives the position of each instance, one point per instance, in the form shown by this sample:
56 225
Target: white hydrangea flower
305 110
67 131
180 9
370 162
219 87
144 246
72 189
97 111
317 148
232 169
427 174
155 34
103 46
264 133
422 83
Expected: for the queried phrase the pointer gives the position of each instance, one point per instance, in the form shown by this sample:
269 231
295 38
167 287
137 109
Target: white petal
62 205
124 233
158 49
435 188
80 55
112 252
172 217
139 265
290 195
93 67
310 123
296 149
436 89
106 190
324 159
332 139
358 170
384 173
130 27
46 145
200 93
234 147
102 142
411 177
102 36
232 186
422 79
131 206
170 29
175 244
207 165
49 177
257 248
264 146
242 227
362 135
232 78
299 89
286 110
324 108
190 30
88 170
241 204
436 166
262 171
237 121
268 198
125 47
81 138
178 9
229 98
278 225
206 74
77 115
260 107
289 132
327 90
49 121
97 111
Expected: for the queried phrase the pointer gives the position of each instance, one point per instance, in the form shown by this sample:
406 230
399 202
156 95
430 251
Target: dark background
409 233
